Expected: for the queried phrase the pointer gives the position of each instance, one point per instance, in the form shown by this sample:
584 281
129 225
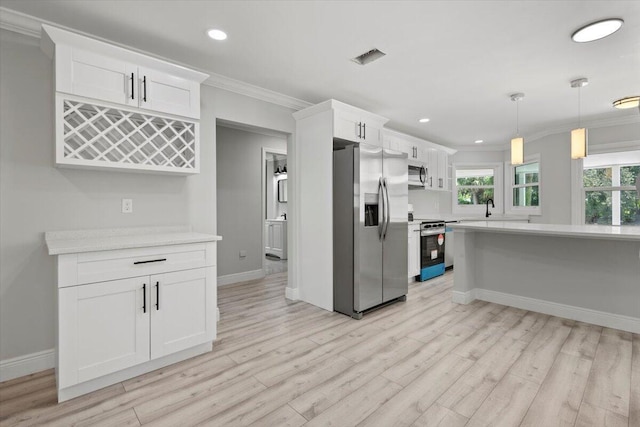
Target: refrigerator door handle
386 207
381 212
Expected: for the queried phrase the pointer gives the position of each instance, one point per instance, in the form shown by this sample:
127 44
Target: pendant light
517 143
579 135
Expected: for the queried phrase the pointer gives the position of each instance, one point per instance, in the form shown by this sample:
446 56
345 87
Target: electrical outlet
243 254
127 205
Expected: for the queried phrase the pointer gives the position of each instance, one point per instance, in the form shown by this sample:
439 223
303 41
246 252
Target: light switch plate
243 254
127 205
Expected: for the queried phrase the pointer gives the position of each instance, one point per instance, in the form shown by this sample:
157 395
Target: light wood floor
421 363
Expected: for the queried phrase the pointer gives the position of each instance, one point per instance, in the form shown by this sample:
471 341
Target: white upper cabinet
434 157
120 109
356 125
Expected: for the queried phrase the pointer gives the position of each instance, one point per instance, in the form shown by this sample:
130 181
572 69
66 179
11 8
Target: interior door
394 249
104 328
182 310
367 286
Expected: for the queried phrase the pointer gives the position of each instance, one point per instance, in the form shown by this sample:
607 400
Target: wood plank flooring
424 362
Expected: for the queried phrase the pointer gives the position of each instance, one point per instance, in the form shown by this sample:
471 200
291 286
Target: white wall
36 197
240 217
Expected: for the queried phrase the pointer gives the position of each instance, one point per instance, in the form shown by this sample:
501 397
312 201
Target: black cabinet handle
144 298
364 131
359 129
151 260
144 87
157 295
132 86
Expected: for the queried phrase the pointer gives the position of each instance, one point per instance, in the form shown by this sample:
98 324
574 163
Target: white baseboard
240 277
291 293
463 297
595 317
217 314
27 364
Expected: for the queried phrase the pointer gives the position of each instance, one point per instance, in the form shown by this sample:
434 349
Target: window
609 189
475 185
524 193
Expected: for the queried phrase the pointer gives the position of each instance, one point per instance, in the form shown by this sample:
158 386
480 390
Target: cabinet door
103 328
414 251
443 170
182 310
432 170
346 127
84 73
276 228
165 93
371 133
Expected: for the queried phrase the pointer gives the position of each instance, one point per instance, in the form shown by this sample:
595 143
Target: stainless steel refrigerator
370 223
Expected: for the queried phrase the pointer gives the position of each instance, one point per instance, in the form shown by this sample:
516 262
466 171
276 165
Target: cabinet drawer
94 267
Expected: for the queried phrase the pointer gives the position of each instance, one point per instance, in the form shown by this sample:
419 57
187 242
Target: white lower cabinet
109 328
276 238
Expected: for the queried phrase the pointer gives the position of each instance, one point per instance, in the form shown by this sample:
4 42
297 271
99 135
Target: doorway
274 208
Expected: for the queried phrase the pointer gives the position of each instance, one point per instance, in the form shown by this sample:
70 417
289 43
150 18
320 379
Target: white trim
291 293
217 314
20 23
240 277
27 364
509 184
463 297
31 26
595 317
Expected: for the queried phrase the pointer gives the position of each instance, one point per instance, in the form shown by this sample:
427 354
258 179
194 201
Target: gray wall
240 217
36 197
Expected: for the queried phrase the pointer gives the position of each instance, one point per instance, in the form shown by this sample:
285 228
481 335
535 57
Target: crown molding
534 136
31 26
20 23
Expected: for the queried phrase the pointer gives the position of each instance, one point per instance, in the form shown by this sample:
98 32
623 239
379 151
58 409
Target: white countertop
583 231
77 241
467 217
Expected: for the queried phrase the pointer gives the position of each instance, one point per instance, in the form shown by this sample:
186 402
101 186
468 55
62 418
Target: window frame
578 190
509 178
497 186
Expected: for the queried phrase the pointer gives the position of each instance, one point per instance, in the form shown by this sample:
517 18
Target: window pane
526 174
474 176
597 208
628 174
526 196
474 196
597 177
629 208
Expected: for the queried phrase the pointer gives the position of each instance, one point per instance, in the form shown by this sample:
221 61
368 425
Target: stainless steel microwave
417 174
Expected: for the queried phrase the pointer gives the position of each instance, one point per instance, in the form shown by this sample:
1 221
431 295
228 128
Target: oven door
417 175
432 246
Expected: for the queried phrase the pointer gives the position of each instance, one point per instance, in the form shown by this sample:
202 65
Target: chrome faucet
488 214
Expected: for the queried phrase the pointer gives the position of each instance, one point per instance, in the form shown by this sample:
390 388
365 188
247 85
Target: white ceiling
454 62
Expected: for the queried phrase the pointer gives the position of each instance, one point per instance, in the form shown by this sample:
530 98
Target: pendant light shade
517 143
517 151
579 135
579 143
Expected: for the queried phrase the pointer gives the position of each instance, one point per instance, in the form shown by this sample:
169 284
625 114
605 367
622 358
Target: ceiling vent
369 56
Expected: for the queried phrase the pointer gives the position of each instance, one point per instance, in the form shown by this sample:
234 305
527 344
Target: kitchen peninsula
587 273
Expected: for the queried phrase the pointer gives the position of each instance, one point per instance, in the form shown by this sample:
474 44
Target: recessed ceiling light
217 34
425 120
597 30
628 102
479 141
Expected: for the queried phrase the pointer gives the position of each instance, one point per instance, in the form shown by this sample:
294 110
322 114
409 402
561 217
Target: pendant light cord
579 107
518 118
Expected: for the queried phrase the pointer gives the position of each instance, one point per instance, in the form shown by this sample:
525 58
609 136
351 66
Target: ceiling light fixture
579 135
217 34
425 120
517 143
597 30
627 102
479 141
